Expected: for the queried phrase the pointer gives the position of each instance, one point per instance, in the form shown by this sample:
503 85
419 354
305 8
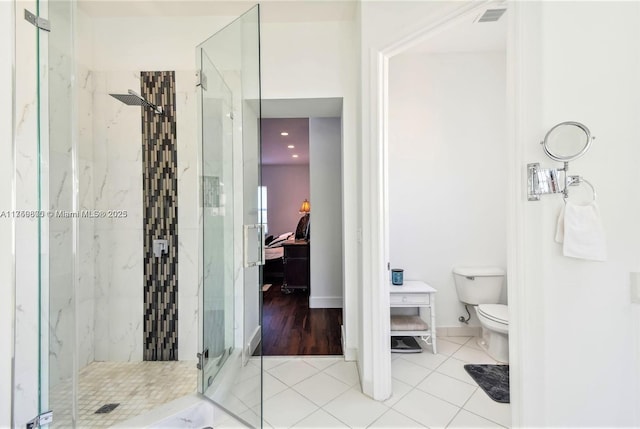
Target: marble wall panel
117 179
115 174
188 202
86 201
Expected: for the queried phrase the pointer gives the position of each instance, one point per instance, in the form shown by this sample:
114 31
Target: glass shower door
230 354
217 220
45 253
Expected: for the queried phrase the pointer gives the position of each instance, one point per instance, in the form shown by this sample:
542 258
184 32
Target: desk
414 293
296 266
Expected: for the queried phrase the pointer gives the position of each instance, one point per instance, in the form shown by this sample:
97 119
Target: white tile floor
317 392
429 390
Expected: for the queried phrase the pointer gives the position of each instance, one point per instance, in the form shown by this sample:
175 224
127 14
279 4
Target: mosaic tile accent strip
160 190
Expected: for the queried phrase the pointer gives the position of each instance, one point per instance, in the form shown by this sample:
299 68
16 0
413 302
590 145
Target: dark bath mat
107 408
494 380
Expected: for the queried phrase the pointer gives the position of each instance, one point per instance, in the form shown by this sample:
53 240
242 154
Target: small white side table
414 293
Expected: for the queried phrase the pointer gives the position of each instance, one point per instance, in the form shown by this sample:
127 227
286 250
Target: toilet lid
496 312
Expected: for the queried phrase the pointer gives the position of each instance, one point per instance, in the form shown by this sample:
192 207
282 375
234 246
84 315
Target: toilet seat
494 319
498 313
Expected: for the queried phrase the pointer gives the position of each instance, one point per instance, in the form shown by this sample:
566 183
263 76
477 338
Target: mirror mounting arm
560 145
543 181
565 191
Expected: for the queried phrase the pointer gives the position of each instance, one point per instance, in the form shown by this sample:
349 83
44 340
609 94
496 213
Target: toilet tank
478 285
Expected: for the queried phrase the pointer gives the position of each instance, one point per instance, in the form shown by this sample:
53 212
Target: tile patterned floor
137 386
429 390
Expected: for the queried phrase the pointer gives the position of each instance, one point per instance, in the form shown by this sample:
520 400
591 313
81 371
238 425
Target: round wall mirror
567 141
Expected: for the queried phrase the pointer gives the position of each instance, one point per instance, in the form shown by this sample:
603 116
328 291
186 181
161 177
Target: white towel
580 230
560 226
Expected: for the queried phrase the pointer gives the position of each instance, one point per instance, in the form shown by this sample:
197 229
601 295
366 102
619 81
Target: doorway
447 145
302 277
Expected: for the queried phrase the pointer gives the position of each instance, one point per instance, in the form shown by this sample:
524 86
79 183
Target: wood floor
291 328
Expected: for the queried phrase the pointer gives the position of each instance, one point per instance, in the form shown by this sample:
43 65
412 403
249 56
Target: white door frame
314 107
376 297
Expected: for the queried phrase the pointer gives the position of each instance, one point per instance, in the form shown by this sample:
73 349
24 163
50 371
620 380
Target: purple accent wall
287 186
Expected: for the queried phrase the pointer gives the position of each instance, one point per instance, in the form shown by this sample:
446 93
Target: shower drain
106 408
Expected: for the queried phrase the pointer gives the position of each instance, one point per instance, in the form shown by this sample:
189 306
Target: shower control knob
160 247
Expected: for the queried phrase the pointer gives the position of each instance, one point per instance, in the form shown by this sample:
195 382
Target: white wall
326 215
447 175
316 60
151 42
287 186
6 233
382 25
297 54
577 353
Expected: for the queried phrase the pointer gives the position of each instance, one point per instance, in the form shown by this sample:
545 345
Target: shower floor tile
136 386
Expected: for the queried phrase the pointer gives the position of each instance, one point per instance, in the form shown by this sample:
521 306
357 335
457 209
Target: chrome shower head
134 99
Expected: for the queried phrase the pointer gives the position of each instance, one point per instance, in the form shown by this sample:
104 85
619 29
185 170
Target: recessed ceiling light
291 146
284 133
294 156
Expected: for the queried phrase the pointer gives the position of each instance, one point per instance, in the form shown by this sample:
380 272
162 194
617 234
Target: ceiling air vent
491 15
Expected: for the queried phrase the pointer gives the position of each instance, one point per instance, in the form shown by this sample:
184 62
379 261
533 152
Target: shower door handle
260 234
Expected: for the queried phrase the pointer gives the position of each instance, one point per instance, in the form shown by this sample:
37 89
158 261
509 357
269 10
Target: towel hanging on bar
580 231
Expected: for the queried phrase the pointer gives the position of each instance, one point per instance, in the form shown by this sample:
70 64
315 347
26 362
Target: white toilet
481 287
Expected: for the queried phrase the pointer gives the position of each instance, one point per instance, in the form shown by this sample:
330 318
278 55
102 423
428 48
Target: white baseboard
349 354
325 302
459 331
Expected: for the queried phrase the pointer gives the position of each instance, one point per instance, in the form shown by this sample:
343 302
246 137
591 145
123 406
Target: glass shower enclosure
232 248
51 298
46 267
